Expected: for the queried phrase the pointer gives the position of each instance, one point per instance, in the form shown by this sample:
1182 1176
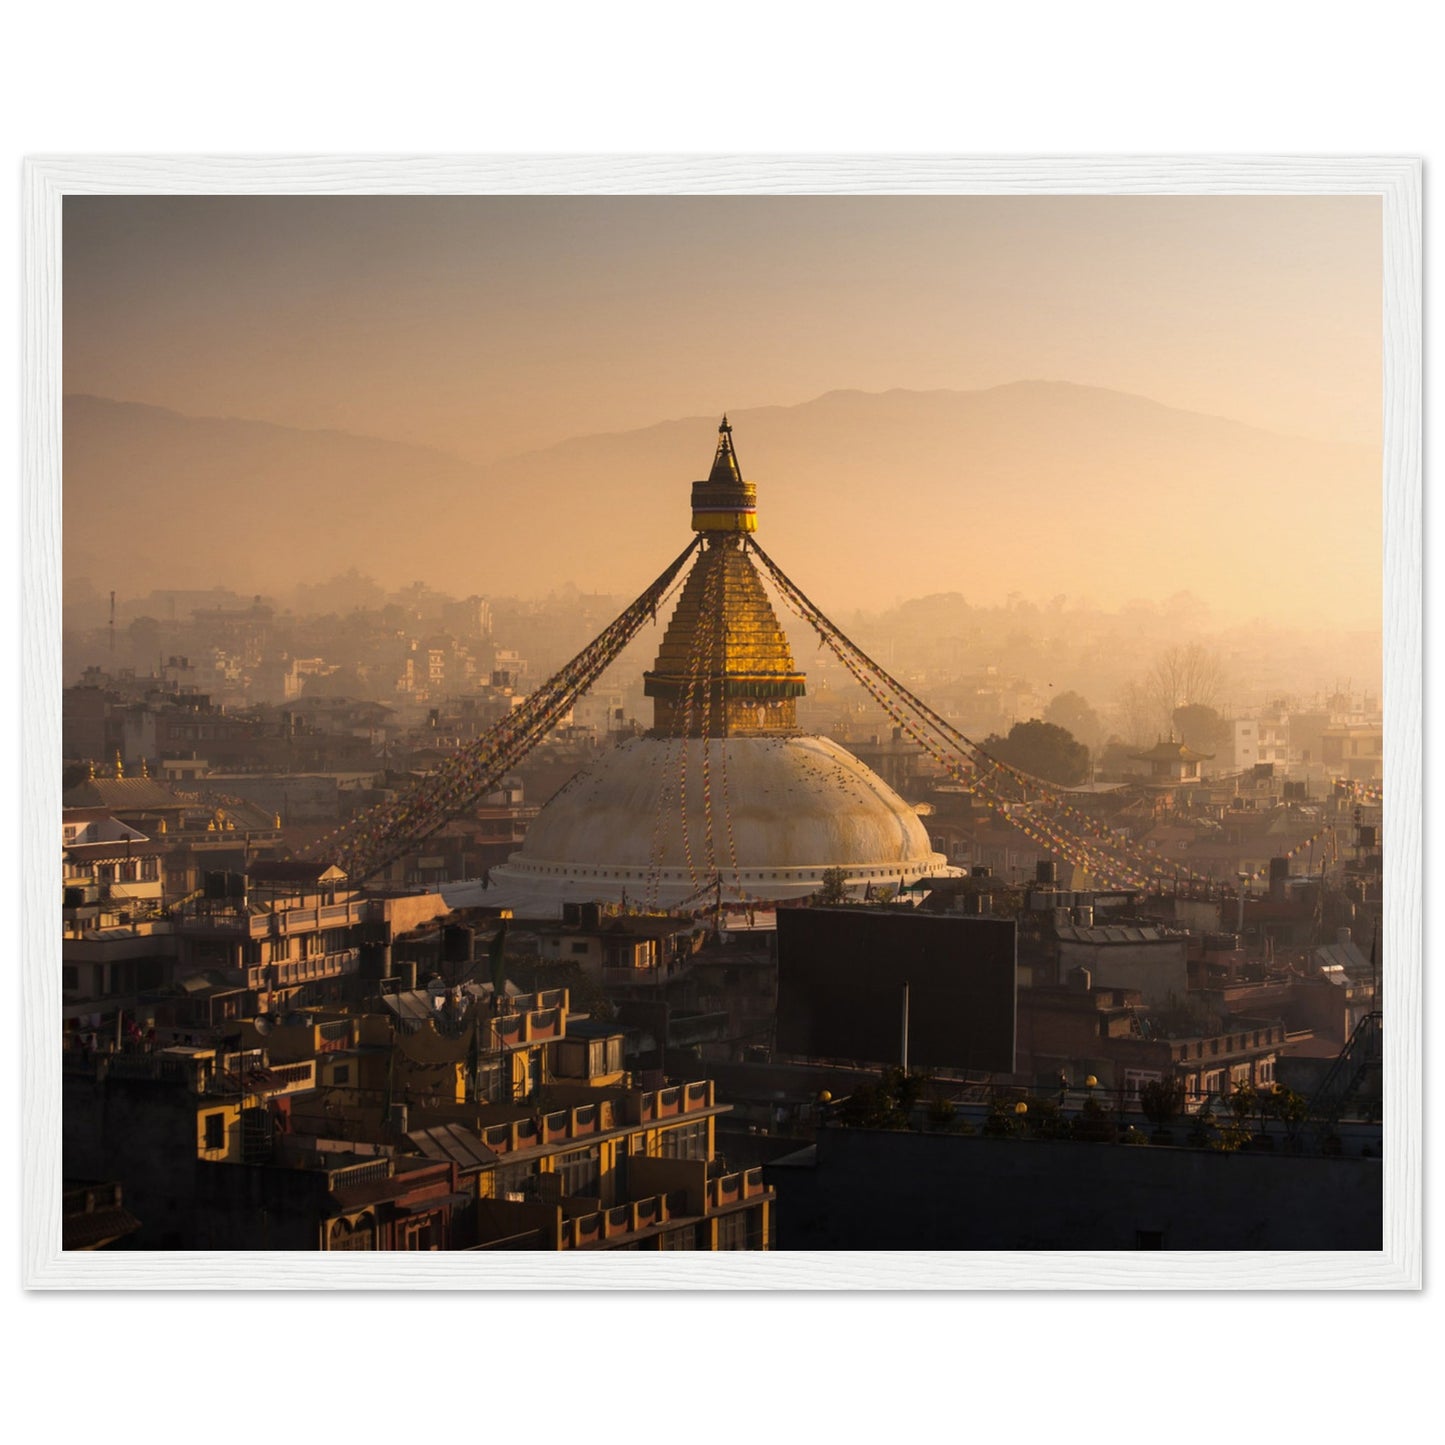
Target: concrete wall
1157 969
871 1189
142 1134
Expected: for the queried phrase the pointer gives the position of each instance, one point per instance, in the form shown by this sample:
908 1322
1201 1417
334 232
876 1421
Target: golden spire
724 667
119 766
724 502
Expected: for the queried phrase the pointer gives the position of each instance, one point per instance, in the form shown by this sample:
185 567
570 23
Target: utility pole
905 1026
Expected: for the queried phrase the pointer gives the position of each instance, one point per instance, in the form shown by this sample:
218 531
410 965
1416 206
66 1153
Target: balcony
1226 1046
611 1226
729 1189
255 1077
533 1019
292 971
369 1171
648 1106
556 1127
582 1121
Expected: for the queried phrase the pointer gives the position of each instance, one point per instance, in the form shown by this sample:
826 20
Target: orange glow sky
489 326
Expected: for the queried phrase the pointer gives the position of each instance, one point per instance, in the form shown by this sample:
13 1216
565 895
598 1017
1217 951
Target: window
579 948
419 1234
686 1141
341 1075
732 1230
681 1238
348 1236
514 1179
579 1172
215 1131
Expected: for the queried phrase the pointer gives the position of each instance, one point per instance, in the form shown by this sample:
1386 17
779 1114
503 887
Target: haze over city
1105 399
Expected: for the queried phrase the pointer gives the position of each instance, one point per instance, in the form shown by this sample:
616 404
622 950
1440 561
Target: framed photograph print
741 723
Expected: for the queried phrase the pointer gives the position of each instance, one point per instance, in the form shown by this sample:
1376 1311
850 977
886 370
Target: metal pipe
905 1027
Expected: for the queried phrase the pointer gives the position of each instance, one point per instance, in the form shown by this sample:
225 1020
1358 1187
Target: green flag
497 958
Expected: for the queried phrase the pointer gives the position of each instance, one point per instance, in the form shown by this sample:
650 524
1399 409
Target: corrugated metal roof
451 1143
1342 955
1111 933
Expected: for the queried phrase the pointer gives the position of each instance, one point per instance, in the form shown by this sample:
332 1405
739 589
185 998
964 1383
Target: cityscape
586 727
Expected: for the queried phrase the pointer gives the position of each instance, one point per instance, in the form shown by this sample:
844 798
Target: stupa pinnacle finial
724 503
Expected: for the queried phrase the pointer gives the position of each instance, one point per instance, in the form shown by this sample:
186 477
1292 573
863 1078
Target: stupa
724 792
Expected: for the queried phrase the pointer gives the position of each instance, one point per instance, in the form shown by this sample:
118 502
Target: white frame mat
48 180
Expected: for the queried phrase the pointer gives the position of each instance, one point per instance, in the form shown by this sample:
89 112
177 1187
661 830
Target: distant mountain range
1036 487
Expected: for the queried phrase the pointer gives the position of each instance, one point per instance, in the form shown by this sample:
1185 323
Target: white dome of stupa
658 818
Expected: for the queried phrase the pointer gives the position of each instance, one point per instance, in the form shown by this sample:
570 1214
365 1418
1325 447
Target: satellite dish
262 1025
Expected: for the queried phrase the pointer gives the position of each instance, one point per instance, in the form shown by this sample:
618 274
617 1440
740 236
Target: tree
1043 749
834 886
1199 726
885 1103
1181 676
1162 1100
1072 713
1134 716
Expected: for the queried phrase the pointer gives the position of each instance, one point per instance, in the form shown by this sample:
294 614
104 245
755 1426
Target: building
860 1189
459 1119
1172 764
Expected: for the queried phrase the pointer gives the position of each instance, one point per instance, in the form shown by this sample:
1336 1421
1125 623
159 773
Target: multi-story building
451 1119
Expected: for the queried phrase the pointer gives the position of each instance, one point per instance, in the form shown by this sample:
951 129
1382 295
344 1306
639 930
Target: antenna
112 620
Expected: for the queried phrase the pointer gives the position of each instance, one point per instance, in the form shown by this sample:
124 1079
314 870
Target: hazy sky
487 326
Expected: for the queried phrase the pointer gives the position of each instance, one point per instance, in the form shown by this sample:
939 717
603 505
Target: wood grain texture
48 180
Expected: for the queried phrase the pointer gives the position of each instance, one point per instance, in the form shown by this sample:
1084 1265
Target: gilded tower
724 668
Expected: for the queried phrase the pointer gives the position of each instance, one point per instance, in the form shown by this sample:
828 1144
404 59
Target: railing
582 1120
343 912
646 1105
543 999
586 1229
507 1029
724 1191
350 1175
1224 1045
734 1188
525 1024
284 1075
318 965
